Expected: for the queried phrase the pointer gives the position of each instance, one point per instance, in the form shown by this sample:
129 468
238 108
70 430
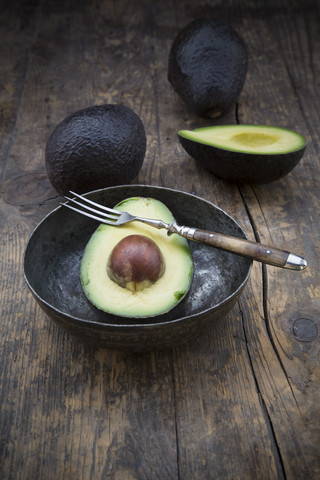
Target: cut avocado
245 153
207 66
96 147
152 296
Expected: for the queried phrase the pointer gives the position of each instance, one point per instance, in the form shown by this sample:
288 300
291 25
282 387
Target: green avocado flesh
156 298
255 139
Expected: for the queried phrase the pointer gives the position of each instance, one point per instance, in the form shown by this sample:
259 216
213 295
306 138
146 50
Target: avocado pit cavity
253 139
135 263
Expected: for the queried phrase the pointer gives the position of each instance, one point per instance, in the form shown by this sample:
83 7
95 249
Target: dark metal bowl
52 261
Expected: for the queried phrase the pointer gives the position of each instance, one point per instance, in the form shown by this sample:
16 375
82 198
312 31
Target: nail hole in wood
305 330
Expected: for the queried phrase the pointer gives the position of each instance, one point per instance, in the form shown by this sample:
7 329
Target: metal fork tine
87 214
113 216
102 207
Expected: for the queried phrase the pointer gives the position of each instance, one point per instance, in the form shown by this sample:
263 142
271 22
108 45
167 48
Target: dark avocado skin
207 66
95 147
241 167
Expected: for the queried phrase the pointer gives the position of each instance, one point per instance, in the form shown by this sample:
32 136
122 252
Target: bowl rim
145 324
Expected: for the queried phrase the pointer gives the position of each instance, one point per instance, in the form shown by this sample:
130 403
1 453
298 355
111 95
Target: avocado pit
135 263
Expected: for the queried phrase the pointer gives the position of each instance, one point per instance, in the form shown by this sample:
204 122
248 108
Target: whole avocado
207 66
96 147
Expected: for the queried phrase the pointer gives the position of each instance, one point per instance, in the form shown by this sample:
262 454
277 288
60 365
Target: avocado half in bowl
245 153
52 263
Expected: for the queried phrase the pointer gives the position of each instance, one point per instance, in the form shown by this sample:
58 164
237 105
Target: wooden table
240 403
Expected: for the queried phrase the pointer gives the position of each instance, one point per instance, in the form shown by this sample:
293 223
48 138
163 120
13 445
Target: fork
254 250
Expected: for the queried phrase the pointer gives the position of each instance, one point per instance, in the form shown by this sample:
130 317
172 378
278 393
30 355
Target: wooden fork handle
254 250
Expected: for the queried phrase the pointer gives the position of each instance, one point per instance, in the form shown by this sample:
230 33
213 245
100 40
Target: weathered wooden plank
18 35
218 400
76 413
267 87
284 214
240 403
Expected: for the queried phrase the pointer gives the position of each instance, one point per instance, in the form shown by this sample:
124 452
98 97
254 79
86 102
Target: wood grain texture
288 214
242 402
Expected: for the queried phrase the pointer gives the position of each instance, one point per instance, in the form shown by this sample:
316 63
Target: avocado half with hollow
136 270
245 153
